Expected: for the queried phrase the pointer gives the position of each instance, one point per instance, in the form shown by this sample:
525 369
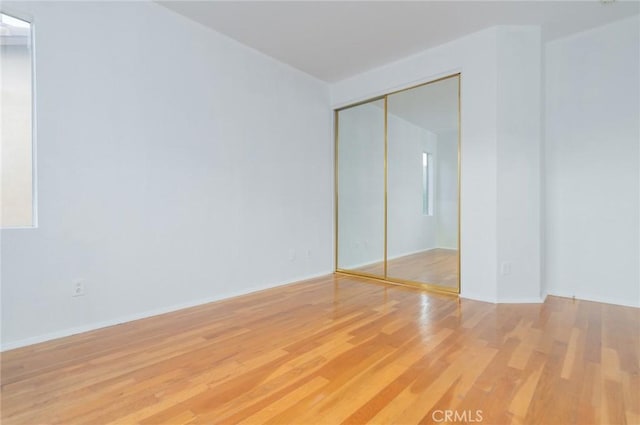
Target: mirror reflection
397 186
422 177
360 186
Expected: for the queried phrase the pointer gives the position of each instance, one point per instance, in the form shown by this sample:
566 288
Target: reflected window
427 183
16 175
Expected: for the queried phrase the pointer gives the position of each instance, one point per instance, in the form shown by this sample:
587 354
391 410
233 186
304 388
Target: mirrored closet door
397 181
360 157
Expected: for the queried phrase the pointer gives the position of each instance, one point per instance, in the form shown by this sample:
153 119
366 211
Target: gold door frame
386 278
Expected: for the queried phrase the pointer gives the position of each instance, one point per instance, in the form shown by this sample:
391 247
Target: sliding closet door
360 160
422 226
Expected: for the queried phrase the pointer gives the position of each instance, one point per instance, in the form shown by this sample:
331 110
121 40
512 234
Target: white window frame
34 174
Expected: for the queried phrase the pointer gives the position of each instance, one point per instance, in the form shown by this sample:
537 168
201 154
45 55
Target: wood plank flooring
436 266
339 350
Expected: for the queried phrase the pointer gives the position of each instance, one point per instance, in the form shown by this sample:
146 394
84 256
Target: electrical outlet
505 268
78 288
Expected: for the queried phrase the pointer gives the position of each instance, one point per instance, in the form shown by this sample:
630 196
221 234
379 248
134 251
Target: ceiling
433 107
333 40
14 31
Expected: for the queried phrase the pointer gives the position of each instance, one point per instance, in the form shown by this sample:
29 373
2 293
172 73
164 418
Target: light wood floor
338 350
436 266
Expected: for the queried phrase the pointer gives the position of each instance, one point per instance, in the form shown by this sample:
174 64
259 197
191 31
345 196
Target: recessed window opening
427 183
16 147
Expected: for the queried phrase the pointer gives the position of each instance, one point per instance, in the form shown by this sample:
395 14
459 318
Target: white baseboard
143 315
395 257
361 265
452 248
168 309
523 300
605 300
406 254
493 300
477 297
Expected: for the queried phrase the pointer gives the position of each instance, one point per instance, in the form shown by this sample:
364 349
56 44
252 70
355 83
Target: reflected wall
360 188
397 186
422 224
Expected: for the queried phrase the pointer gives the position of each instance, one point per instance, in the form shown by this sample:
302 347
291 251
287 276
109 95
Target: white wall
518 156
361 185
361 188
476 57
175 166
496 120
16 184
408 231
447 190
592 162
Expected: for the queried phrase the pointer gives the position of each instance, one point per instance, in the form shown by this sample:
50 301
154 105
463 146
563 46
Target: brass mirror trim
386 184
396 281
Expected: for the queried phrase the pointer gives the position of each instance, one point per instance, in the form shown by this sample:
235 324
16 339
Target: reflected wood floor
436 266
338 350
